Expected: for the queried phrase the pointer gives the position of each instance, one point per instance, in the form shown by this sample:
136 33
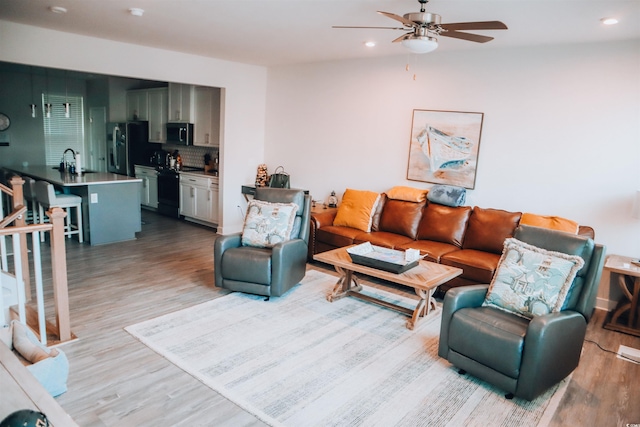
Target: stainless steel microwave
180 133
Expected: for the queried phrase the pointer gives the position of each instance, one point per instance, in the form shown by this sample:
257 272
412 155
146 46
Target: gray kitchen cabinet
149 187
199 198
137 105
180 102
206 116
158 113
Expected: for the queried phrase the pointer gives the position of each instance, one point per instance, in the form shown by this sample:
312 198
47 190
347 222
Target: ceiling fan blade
398 18
466 36
402 37
484 25
375 28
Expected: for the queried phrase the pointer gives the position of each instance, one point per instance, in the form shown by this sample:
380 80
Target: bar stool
29 193
47 198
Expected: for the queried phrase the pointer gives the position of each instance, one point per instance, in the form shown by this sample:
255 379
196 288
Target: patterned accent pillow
266 223
531 281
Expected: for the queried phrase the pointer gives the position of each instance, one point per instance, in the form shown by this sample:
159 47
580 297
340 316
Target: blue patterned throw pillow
531 281
267 224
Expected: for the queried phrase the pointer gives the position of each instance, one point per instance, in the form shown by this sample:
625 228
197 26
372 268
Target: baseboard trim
605 304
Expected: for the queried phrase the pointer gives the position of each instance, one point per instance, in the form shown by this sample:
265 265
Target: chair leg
34 211
67 221
79 222
41 215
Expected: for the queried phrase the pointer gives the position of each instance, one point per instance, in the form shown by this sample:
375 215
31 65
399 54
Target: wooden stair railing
61 330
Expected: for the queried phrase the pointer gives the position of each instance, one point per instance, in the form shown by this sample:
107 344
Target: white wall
245 96
561 131
560 136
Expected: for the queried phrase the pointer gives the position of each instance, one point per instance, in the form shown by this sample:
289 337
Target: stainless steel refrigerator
128 145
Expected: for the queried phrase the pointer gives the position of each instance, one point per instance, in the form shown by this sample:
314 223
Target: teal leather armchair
523 356
265 271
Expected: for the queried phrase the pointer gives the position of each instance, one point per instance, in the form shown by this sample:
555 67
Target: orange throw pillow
551 222
356 209
408 194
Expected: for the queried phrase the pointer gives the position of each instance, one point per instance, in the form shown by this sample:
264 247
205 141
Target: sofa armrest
454 300
318 220
552 349
323 218
221 244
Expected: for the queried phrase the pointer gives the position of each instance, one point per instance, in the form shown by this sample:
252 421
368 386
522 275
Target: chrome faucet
65 165
72 152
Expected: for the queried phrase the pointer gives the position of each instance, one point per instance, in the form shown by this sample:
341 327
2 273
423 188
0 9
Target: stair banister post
59 273
18 200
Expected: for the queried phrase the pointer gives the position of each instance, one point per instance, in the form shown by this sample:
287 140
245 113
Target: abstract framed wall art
444 147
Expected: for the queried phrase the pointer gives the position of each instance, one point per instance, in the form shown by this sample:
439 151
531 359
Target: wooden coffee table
424 279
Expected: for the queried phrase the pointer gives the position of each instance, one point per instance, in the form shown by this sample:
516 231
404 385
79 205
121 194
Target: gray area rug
299 360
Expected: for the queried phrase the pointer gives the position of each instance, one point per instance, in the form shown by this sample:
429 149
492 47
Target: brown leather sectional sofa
468 238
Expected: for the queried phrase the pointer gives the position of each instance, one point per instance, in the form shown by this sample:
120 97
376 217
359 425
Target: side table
625 318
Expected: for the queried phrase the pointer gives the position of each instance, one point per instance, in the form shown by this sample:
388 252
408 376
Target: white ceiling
277 32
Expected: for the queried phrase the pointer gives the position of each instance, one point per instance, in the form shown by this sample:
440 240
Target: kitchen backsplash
192 155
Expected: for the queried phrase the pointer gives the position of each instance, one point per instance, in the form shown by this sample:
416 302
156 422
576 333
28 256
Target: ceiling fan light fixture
420 44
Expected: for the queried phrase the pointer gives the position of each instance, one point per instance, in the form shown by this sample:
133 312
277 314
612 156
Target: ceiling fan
425 26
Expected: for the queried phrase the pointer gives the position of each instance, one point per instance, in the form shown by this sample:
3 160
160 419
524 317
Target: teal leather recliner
521 356
265 271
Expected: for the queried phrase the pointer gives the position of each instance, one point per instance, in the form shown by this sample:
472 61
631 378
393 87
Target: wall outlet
94 197
629 353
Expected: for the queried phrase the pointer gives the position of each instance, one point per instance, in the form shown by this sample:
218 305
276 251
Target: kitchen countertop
48 173
190 170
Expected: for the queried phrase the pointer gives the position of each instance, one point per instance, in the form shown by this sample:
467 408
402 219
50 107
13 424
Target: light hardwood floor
115 380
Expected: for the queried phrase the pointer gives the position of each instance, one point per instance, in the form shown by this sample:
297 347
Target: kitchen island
110 202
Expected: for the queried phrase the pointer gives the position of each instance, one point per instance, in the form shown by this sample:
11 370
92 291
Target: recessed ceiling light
369 44
136 11
58 9
609 21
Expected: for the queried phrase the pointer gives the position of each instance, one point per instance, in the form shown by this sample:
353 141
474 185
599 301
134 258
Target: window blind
60 132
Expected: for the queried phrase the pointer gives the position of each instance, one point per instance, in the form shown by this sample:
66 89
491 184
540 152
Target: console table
625 318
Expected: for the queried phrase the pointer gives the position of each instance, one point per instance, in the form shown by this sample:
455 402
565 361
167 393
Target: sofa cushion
267 223
248 264
502 340
531 281
432 251
408 194
444 224
550 222
337 236
401 217
488 229
476 265
383 238
356 209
